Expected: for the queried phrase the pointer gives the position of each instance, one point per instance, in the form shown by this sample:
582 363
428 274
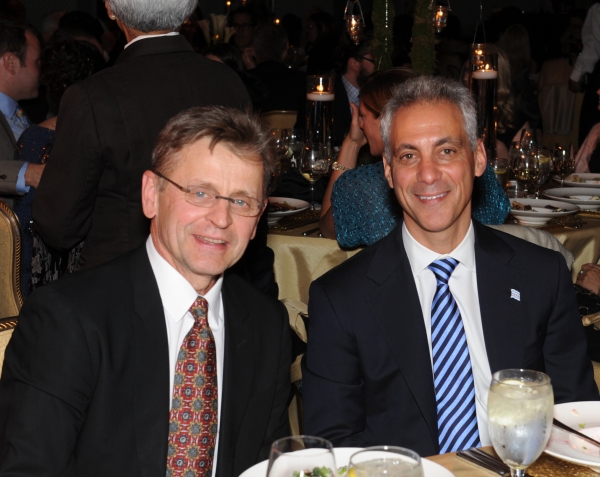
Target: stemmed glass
520 409
301 455
295 143
544 165
313 164
385 461
564 161
526 169
281 150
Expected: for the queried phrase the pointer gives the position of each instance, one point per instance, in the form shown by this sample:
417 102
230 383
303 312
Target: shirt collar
8 106
420 257
176 293
143 37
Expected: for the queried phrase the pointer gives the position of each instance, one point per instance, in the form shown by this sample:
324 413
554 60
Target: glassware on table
520 410
313 165
500 167
295 143
385 461
281 150
298 455
526 169
563 160
544 164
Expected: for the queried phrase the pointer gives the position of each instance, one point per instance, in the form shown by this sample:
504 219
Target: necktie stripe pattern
452 372
193 421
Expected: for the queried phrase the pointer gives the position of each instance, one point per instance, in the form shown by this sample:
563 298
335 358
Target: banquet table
545 466
299 259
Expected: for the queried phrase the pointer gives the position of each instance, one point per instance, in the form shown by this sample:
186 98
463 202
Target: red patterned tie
194 412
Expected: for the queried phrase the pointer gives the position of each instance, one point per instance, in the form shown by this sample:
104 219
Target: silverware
564 427
311 231
473 458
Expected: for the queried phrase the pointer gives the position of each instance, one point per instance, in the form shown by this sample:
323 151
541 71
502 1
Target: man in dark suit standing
99 357
404 337
108 125
19 75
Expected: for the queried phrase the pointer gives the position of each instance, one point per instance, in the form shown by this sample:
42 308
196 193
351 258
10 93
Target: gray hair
429 89
153 15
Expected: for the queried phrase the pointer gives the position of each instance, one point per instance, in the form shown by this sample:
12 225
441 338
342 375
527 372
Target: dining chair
280 119
7 325
11 297
297 312
596 373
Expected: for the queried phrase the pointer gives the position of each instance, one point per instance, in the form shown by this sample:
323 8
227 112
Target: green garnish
316 472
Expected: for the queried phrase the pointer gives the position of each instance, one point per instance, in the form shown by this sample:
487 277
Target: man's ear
9 62
150 194
387 170
480 159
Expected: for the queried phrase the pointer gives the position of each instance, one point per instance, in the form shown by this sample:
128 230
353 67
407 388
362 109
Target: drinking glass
513 153
564 161
526 169
500 167
301 455
385 461
520 409
313 164
281 150
544 165
295 143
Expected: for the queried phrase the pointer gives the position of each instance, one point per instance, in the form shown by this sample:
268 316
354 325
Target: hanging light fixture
440 15
355 22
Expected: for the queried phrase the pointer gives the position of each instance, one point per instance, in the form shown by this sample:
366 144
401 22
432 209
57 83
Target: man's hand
589 277
33 174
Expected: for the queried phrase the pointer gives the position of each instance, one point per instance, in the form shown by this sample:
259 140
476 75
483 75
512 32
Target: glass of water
520 409
301 455
385 461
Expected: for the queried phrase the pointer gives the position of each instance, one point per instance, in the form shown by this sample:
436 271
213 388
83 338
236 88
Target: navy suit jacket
85 383
367 377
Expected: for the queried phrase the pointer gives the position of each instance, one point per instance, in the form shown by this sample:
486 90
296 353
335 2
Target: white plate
342 457
590 179
299 205
574 414
576 195
540 215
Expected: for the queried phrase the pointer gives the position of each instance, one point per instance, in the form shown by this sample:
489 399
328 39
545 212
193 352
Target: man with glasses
242 20
161 362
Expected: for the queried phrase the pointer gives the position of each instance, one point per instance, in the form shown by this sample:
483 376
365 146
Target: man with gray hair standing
108 125
404 337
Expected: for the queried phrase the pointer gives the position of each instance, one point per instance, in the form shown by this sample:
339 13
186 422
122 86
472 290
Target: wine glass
544 164
281 150
313 164
526 169
301 455
564 161
520 410
295 143
385 461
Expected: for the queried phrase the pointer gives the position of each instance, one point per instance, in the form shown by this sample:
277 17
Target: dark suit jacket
9 168
107 128
367 378
85 384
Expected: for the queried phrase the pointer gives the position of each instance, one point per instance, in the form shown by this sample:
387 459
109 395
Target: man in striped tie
19 73
404 337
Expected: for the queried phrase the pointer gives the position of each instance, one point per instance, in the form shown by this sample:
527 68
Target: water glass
313 165
385 461
564 160
301 455
544 165
520 410
500 167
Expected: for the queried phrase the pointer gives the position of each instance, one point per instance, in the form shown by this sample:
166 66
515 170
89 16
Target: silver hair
153 15
429 89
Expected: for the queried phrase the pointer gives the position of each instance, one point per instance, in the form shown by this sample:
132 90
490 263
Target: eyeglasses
368 59
201 197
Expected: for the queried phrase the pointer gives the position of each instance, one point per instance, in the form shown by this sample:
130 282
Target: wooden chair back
11 297
7 325
280 119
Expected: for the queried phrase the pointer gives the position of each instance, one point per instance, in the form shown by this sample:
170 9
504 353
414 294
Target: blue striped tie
452 373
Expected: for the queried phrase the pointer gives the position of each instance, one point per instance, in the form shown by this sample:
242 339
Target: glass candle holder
319 108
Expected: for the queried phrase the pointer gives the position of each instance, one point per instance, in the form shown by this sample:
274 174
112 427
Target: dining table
301 259
544 466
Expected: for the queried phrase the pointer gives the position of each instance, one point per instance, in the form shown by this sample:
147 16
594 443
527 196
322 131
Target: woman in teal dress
359 207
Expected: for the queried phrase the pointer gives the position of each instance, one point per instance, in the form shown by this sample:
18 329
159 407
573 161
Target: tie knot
443 268
199 310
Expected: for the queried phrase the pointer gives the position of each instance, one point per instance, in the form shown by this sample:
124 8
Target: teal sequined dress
365 209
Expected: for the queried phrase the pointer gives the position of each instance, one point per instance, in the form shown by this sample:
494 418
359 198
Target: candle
320 96
485 74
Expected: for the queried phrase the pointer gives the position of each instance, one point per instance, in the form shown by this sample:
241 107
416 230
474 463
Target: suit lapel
500 314
151 400
7 131
238 375
397 310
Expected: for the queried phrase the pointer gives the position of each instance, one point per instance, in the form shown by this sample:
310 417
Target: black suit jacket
85 384
106 131
368 351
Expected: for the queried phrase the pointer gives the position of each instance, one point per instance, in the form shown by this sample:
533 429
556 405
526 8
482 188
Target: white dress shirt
463 286
590 37
177 296
142 37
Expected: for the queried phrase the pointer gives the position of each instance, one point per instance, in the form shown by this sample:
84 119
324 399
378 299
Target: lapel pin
515 294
